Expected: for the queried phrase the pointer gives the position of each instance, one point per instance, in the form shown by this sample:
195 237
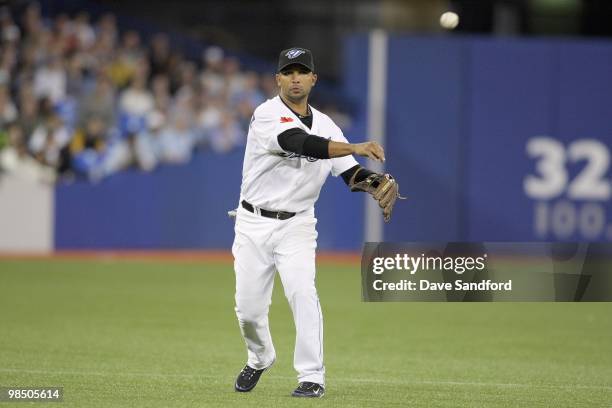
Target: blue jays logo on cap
294 53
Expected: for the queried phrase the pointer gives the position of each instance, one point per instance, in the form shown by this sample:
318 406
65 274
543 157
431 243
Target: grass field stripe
336 380
170 256
471 383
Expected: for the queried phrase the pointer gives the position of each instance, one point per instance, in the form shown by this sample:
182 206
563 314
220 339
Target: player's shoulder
268 109
324 119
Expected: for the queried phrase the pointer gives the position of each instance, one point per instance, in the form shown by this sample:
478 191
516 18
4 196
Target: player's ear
278 83
314 79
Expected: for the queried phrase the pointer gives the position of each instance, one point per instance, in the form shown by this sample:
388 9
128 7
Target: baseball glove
382 187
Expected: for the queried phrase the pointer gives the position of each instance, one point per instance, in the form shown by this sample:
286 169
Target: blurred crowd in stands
79 98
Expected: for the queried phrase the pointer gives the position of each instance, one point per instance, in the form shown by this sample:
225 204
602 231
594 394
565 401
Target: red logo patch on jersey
285 119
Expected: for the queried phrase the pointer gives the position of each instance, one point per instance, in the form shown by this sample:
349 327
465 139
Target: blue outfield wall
173 207
512 98
490 139
551 96
499 139
423 136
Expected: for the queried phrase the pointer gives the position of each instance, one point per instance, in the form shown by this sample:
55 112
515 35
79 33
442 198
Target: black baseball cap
295 55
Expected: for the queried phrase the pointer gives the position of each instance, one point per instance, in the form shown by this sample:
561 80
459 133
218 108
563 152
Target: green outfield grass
152 334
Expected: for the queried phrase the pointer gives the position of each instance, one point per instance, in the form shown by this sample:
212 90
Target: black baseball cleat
248 377
309 390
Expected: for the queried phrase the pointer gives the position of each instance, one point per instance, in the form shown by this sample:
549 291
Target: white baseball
449 20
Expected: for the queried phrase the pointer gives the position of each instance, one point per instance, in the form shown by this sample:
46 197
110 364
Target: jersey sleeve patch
268 123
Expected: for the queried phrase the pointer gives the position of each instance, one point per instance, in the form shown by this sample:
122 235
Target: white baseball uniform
275 180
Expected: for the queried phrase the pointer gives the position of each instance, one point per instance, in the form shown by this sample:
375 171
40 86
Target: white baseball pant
261 247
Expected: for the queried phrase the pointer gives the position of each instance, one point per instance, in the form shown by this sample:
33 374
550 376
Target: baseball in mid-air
449 20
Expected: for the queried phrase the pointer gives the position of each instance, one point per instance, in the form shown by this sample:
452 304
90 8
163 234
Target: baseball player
291 148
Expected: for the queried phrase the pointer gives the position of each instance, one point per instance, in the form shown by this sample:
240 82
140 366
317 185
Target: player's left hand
383 188
386 194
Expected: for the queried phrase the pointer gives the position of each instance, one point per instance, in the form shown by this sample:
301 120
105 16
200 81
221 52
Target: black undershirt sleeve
296 140
362 175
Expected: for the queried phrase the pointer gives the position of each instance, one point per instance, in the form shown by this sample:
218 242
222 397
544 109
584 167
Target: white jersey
276 180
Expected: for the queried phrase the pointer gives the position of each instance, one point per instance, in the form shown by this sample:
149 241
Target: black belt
279 215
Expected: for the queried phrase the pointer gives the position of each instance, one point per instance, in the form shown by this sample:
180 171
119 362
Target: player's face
295 82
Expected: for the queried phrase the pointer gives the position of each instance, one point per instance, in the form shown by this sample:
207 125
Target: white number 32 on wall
551 178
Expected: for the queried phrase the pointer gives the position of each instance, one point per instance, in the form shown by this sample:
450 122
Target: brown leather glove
382 187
